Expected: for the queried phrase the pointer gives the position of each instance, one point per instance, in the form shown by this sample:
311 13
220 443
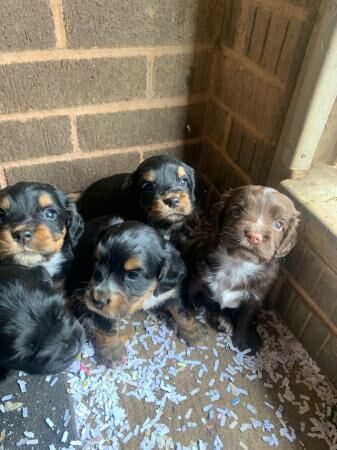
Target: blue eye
237 211
183 181
133 275
278 225
49 214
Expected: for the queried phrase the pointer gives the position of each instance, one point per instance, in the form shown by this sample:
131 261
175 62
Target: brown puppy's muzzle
255 238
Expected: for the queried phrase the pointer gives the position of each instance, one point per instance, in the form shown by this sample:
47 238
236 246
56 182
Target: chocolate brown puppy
254 228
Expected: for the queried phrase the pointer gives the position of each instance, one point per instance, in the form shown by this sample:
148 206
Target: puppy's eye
183 181
133 275
237 211
278 225
2 216
148 186
97 275
49 214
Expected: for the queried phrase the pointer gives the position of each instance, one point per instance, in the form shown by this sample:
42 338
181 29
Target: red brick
34 138
56 84
74 176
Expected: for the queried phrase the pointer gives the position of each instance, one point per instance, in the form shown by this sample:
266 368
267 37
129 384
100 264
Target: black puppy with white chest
39 226
160 192
37 333
120 268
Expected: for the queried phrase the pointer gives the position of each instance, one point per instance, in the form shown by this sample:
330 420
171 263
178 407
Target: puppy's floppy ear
218 209
127 183
191 179
173 271
75 223
290 236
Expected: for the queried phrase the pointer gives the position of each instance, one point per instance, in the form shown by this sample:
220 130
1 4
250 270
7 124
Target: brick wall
305 298
258 54
90 88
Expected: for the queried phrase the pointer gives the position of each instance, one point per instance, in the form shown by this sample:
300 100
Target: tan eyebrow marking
45 200
149 176
4 202
181 172
133 264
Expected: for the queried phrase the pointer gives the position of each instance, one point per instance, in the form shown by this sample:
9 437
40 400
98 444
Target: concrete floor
169 396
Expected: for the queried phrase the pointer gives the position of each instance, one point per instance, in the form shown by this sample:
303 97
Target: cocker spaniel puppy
39 226
120 268
160 192
255 227
37 333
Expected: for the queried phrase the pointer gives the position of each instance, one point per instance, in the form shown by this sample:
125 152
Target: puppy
120 268
37 334
39 226
160 192
255 227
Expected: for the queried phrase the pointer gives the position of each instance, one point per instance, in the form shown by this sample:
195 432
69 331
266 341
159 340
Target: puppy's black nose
23 236
172 202
99 304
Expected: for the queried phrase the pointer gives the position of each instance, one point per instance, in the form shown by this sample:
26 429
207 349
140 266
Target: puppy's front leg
110 346
189 328
245 334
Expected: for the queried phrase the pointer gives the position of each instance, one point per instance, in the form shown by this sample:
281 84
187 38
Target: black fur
118 242
20 209
37 333
133 197
103 288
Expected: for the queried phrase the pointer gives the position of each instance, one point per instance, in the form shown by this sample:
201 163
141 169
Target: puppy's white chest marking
232 299
229 283
155 301
53 266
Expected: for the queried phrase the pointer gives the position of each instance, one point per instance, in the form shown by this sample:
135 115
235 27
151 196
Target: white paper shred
22 384
49 422
219 380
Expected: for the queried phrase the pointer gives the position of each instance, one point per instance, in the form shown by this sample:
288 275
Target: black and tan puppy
160 192
39 226
255 227
37 333
120 268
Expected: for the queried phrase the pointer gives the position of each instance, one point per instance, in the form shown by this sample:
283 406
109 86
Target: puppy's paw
197 334
220 323
249 339
225 325
110 356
